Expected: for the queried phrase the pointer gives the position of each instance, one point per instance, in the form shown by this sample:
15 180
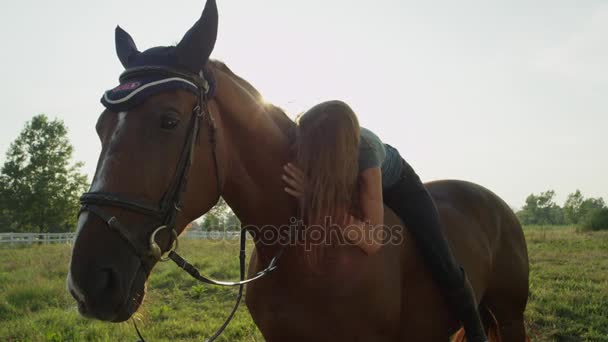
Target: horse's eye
169 121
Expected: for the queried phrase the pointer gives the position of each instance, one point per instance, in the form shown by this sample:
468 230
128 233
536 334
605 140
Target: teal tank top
374 153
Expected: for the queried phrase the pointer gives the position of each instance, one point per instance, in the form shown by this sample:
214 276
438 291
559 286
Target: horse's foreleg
505 313
507 328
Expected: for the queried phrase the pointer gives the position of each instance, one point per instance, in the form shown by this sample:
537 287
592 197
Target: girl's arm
372 210
370 196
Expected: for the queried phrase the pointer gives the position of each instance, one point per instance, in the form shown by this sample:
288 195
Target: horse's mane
277 114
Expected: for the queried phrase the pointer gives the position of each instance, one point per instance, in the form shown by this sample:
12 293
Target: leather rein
166 212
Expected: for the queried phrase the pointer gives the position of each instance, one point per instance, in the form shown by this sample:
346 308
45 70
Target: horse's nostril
98 293
105 282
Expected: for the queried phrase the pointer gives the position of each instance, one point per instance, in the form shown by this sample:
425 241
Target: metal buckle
155 249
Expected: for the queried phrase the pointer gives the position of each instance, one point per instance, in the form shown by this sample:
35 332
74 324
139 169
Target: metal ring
155 249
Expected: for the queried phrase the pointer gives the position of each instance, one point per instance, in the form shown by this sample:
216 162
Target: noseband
166 211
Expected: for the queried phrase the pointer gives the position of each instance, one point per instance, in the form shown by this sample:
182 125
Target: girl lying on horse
346 172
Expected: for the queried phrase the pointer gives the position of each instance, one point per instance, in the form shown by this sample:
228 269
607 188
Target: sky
509 94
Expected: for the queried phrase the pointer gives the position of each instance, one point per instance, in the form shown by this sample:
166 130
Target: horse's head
157 129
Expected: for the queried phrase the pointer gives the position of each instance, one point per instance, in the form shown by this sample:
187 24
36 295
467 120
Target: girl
345 172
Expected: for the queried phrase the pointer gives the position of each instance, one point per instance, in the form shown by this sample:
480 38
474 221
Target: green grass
568 299
35 306
568 283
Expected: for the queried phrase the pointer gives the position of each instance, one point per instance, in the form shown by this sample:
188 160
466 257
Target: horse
237 152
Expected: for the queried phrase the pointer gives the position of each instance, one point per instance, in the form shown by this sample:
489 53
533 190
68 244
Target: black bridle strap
115 200
213 143
172 196
186 266
166 211
191 270
127 235
239 295
242 258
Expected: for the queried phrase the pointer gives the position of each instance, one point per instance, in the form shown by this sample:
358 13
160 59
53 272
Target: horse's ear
125 46
194 49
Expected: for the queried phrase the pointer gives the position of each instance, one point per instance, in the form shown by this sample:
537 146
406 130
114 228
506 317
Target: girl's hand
364 231
295 179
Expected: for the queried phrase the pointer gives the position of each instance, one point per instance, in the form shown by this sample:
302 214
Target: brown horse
385 297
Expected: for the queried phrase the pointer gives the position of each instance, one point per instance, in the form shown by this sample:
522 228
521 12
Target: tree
591 204
572 207
195 225
221 218
6 223
39 185
232 222
576 207
211 222
541 209
596 219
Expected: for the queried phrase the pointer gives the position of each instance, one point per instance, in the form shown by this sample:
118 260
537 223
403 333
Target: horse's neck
256 149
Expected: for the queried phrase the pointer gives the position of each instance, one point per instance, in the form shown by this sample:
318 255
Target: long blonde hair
327 151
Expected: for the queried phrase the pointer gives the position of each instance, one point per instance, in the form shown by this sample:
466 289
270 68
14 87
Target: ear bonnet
164 68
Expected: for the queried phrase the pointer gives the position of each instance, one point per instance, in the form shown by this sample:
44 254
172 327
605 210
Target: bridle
170 204
167 210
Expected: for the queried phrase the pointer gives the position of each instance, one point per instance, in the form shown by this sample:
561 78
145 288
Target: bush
597 219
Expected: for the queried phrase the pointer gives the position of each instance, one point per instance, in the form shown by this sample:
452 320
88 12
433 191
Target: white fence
18 238
197 234
14 238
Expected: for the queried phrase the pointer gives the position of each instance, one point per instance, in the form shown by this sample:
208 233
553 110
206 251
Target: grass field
568 301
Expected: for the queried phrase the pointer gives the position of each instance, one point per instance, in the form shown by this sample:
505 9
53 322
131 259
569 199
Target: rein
170 204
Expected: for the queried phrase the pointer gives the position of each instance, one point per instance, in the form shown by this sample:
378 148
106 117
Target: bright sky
509 94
